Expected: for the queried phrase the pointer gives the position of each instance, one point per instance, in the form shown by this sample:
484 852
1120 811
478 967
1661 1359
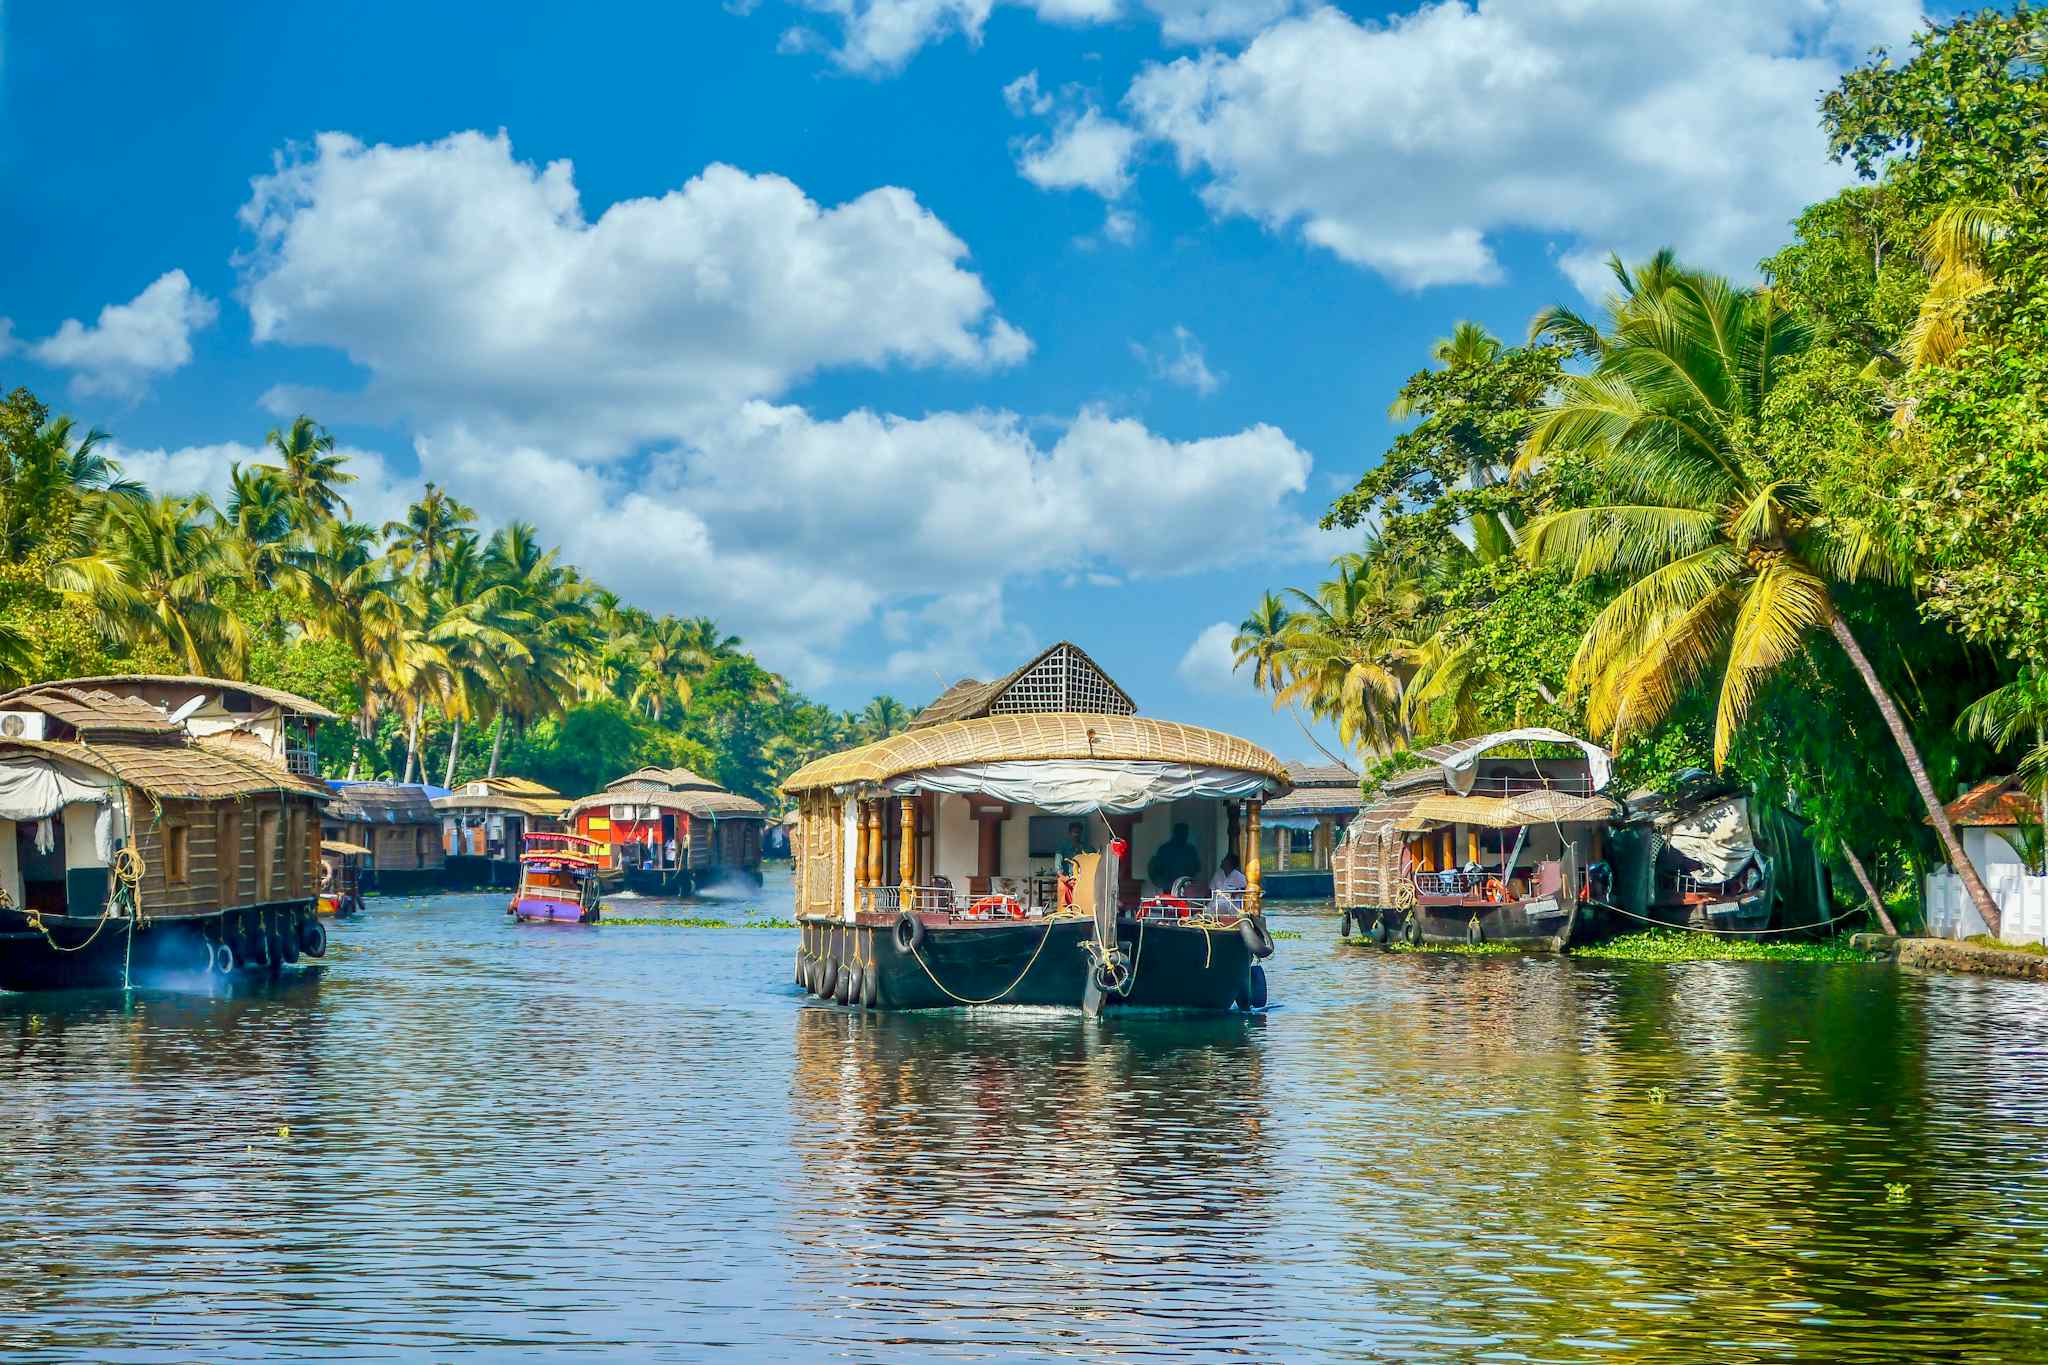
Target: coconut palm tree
1728 565
349 593
882 717
153 580
1350 651
256 526
558 626
55 488
433 526
1261 642
310 470
2014 715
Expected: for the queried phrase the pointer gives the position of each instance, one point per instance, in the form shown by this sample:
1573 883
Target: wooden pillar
906 849
1283 844
988 863
1471 843
1122 826
1325 842
1253 874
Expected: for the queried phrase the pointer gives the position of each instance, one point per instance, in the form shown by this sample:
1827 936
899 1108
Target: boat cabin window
423 845
39 856
228 856
266 855
177 855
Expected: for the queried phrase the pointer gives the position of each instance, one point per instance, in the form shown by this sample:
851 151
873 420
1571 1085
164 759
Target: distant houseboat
561 880
143 837
671 832
484 825
1474 846
1303 829
1032 841
341 878
397 822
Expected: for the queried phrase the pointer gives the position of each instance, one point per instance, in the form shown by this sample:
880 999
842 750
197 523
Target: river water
643 1142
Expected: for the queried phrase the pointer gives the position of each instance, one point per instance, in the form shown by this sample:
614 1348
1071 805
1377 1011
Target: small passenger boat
561 880
341 878
1475 846
1032 841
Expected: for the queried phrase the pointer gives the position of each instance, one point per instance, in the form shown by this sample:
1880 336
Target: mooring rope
1043 938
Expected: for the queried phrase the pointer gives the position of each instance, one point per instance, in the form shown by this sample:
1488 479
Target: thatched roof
92 711
288 701
714 804
175 769
1317 801
1542 807
344 847
2001 803
382 803
519 795
1321 775
1036 735
673 779
1061 678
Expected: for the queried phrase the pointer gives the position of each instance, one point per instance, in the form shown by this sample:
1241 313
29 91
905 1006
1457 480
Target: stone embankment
1954 955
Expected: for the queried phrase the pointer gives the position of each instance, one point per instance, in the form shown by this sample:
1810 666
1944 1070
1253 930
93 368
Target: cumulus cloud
1085 151
471 287
878 37
8 342
1180 360
806 529
131 343
1209 665
377 496
1209 21
1409 146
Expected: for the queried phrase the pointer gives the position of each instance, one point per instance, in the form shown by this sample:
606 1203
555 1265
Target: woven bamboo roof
968 699
92 711
289 701
1317 800
1036 735
1541 807
715 804
382 803
343 846
674 779
540 808
1387 812
174 770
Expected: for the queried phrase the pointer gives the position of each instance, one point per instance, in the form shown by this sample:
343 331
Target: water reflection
642 1141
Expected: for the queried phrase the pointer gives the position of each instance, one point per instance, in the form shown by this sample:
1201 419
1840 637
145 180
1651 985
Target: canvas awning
342 846
1507 812
1082 786
1460 762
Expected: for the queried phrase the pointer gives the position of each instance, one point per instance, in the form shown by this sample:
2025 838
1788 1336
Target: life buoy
224 958
1258 938
909 932
1494 890
1170 907
992 906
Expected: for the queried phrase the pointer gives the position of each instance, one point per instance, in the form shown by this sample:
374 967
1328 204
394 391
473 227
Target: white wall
79 849
10 865
2022 904
959 846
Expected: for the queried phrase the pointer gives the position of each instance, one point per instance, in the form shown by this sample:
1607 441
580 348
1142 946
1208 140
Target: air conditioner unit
23 725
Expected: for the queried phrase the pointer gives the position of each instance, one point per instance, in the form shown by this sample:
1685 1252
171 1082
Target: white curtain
1462 763
1081 786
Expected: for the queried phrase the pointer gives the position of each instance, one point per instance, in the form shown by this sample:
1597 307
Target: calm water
643 1142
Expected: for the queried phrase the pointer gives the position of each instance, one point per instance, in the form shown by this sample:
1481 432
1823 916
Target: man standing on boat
1175 859
1075 845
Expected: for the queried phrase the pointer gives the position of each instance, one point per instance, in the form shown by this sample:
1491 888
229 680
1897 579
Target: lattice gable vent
1065 679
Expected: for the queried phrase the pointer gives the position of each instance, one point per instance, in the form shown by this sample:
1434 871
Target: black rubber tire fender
828 979
315 942
844 992
1380 933
1258 987
1257 937
909 932
870 988
1344 929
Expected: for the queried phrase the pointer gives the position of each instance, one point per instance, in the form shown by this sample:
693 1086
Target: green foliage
1671 945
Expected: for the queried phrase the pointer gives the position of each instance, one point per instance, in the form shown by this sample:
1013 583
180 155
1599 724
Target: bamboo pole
1254 875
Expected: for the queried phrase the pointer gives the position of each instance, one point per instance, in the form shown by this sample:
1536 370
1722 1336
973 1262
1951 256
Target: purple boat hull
531 909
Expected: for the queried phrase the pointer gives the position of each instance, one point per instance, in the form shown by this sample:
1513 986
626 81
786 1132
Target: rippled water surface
644 1142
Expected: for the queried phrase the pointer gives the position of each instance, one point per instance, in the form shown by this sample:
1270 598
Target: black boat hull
86 954
1026 962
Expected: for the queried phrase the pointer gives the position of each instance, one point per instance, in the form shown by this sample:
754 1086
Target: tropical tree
1350 650
154 581
1728 562
310 470
55 485
882 717
350 599
257 528
1261 643
433 528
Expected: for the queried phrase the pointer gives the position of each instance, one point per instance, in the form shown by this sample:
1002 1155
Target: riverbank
2025 962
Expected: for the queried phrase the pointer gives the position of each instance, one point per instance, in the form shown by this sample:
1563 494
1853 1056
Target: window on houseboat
227 856
266 855
177 855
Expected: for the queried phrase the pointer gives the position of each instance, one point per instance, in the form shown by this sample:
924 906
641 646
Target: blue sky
902 336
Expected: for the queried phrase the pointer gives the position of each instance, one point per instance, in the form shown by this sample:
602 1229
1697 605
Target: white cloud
1180 360
471 287
1120 226
132 342
8 342
1409 146
376 497
1084 152
1209 21
1209 665
1024 97
878 37
802 530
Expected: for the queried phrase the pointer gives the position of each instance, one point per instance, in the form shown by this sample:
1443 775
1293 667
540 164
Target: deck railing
1571 784
1452 883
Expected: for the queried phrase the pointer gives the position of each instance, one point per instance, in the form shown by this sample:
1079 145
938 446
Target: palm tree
54 490
1468 344
557 620
1728 565
350 599
2015 714
1261 641
882 717
310 470
481 638
432 527
1350 651
673 660
257 526
153 581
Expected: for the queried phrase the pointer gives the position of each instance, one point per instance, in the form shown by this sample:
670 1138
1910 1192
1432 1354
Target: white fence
2022 905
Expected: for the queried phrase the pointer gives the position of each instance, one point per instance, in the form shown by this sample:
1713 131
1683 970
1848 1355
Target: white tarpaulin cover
35 789
1462 763
1078 786
1717 836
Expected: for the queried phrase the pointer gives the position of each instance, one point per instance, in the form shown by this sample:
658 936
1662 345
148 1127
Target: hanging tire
870 988
1473 932
1411 931
313 943
1258 987
1344 930
1379 929
224 959
799 968
288 940
909 932
1257 937
828 980
844 993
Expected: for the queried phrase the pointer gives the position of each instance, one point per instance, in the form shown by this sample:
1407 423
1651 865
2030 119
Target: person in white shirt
1230 883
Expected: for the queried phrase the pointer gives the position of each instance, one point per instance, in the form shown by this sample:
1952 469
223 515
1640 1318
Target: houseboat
484 825
1303 829
1033 841
1711 856
138 847
561 880
341 878
397 822
1473 845
670 832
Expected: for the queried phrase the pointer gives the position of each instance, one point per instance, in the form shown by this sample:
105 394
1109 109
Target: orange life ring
1171 906
997 905
1495 891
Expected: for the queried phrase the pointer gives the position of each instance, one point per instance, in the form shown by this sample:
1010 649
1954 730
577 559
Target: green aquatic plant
697 922
1672 945
1481 949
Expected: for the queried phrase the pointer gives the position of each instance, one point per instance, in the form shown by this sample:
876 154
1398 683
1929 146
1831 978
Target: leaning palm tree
1729 566
1261 642
153 581
256 526
311 471
1349 652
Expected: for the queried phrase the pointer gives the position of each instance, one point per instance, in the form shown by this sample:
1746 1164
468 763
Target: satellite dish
178 716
